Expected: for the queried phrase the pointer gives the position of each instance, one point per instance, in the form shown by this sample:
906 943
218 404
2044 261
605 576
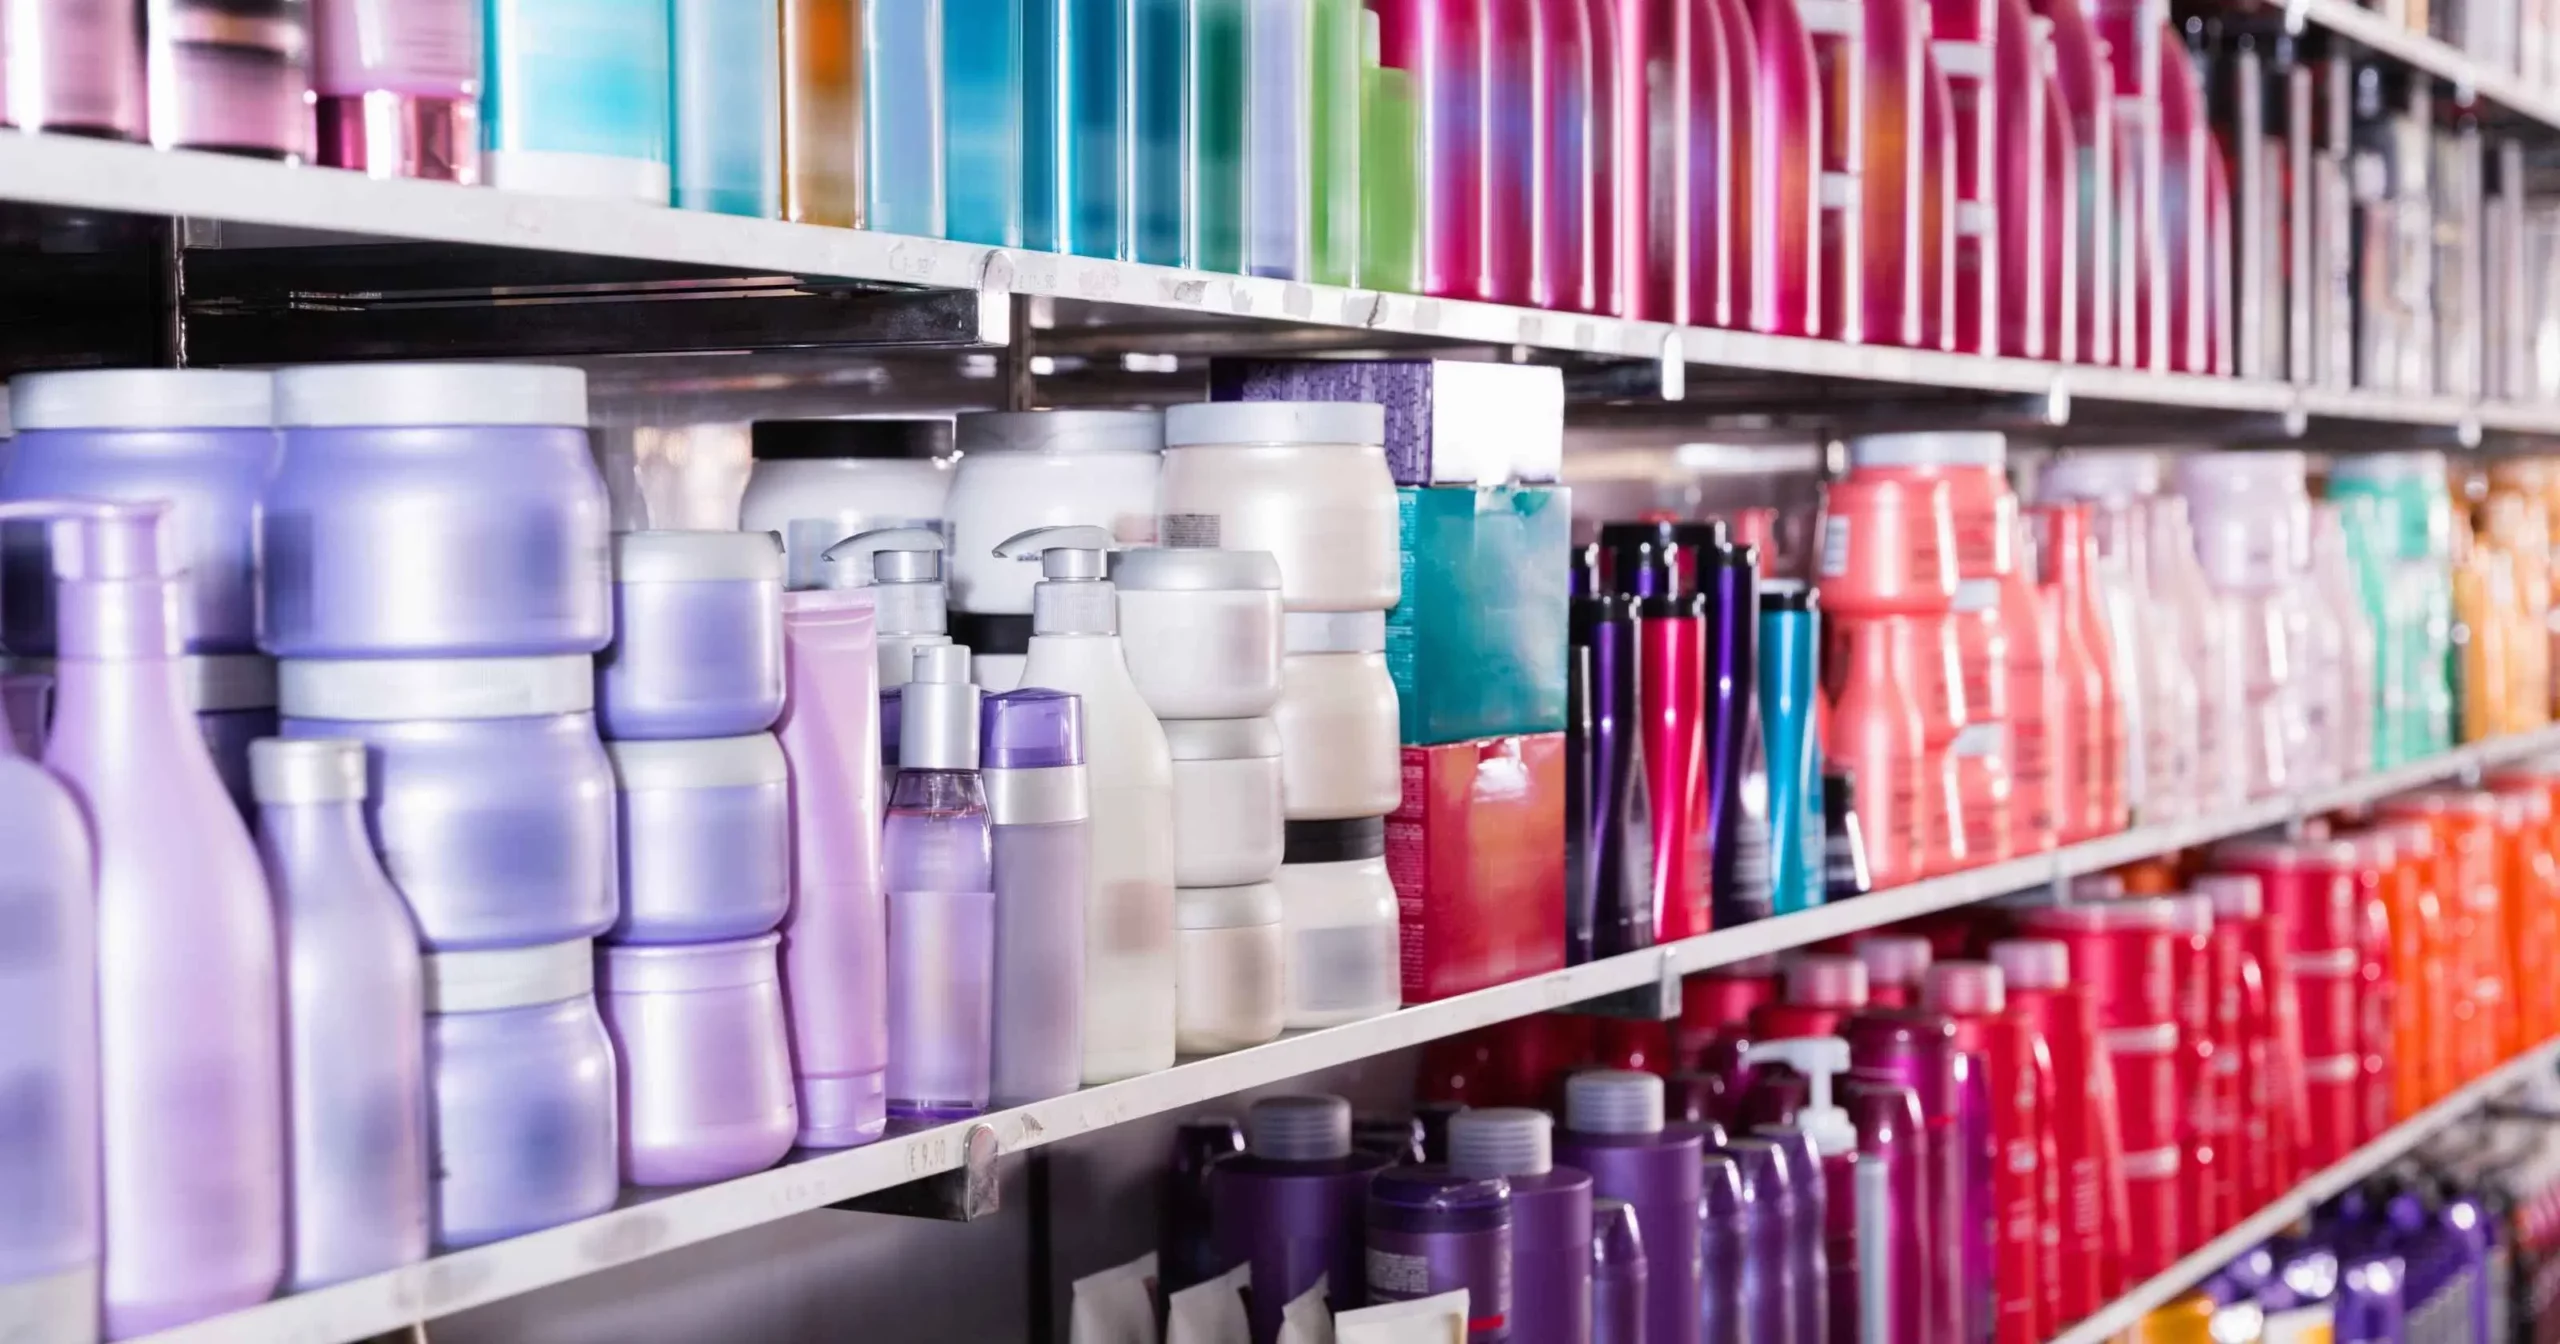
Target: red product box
1476 851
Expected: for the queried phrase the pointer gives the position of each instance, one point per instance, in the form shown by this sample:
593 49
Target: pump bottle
1854 1191
1129 930
935 863
905 565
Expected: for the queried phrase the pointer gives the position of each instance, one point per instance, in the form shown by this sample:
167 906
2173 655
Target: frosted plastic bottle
1279 126
189 1020
81 72
1077 127
728 107
982 130
355 1019
936 869
1129 926
2093 729
1439 44
901 123
1031 755
49 1051
2038 722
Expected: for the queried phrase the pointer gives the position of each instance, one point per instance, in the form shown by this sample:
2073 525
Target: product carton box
1449 422
1476 851
1477 645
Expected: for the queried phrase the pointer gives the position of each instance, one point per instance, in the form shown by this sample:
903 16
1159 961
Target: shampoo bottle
904 567
1736 761
1653 197
2037 979
1129 931
355 1019
1570 149
1790 679
2005 1176
728 108
901 124
1614 1130
1670 629
189 1018
1618 1274
1780 236
935 867
982 128
1550 1217
1031 754
1609 902
1292 1205
1853 1193
1439 44
1889 1294
821 112
1076 128
1875 738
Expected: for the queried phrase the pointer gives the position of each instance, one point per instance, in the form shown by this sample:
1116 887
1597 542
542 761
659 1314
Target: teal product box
1477 645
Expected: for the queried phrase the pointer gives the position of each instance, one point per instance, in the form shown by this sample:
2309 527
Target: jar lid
393 690
1222 739
1240 424
2379 467
2032 963
1502 1141
142 399
1065 433
1035 728
696 557
1334 631
2136 914
1613 1101
740 963
295 771
352 396
2101 477
1334 841
2234 895
222 683
1158 569
1963 448
867 440
1965 989
510 977
1252 906
698 763
1313 1128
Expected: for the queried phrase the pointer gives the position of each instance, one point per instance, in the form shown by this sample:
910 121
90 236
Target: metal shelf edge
2423 51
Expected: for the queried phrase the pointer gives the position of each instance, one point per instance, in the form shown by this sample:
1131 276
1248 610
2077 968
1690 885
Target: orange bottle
2531 883
2422 1002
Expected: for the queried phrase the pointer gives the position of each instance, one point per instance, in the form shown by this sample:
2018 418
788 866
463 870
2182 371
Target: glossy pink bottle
2186 236
76 66
1562 275
1874 733
2088 95
1937 255
1653 202
1839 55
1781 233
2131 31
1516 91
1439 44
1895 62
1607 183
2013 117
1712 97
2065 260
1965 38
1741 61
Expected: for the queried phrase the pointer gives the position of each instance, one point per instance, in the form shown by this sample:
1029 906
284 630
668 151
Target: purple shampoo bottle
189 1021
1767 1292
1431 1231
1551 1220
1891 1246
355 1019
49 1053
1808 1265
1618 1274
1186 1235
1854 1189
835 956
937 869
1614 1130
1031 757
1721 1318
1291 1206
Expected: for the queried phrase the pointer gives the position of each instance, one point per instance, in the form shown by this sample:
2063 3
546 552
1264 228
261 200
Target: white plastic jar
1338 920
1228 969
1025 469
1304 480
817 482
1337 717
1201 630
1226 801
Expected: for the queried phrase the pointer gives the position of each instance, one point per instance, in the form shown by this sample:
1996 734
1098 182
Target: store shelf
2471 77
651 1223
2120 1315
284 232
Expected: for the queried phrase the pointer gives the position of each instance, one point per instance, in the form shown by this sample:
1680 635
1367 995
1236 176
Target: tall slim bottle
232 78
1390 169
1517 74
1031 754
936 869
1159 81
355 1019
1609 901
574 98
1670 631
822 140
1333 141
1895 55
1439 44
2014 127
901 125
1220 71
1076 99
1790 680
1780 236
1563 275
2087 89
398 87
983 86
189 1020
1840 70
728 107
1738 859
1709 158
1653 125
1964 38
1610 282
1279 153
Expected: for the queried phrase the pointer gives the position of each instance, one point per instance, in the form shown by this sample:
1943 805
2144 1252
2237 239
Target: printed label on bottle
423 50
1190 531
1340 969
1399 1277
1835 546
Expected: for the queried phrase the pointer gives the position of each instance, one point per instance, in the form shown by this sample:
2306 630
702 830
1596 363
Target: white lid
1502 1141
1948 448
698 763
2234 895
2243 475
1334 631
696 557
1613 1101
1222 739
292 771
2103 477
514 977
1312 1128
1819 1059
1159 569
1253 906
2032 963
392 690
2398 466
142 399
1071 433
1223 424
220 683
335 396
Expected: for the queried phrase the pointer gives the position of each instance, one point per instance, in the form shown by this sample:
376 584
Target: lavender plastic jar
1433 1231
434 510
204 440
706 1060
523 1083
491 799
705 838
697 636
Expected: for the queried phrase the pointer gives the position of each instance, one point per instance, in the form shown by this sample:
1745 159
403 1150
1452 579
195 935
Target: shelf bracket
1656 1002
964 1194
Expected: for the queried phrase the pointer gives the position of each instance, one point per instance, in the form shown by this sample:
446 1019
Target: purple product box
1449 422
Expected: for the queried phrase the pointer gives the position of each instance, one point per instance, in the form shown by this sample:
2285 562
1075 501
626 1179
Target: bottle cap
1965 989
1825 980
1767 1177
2191 916
874 440
1299 1128
290 772
1617 1244
1502 1141
938 712
752 760
2032 963
142 399
1061 433
903 566
1642 559
1722 1194
1894 958
1155 569
1613 1101
696 557
1073 597
2234 895
1035 728
1817 1058
2106 477
1248 424
351 396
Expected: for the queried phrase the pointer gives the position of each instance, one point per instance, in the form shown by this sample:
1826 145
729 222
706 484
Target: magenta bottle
1431 1231
1614 1130
1517 86
229 75
1781 235
1039 807
1291 1206
1808 1270
1440 46
1767 1289
1723 1316
1551 1223
1653 185
1619 1271
1711 143
398 84
1918 1050
936 865
705 1059
835 957
1889 1294
1570 146
83 74
1822 1139
355 1019
1608 164
189 1019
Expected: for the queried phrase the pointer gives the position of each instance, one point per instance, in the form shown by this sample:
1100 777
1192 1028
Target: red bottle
2087 102
2087 1144
1874 734
1671 652
1714 1001
1896 965
2310 891
2208 1195
2092 727
2277 1110
1712 95
1964 40
1896 37
1929 647
2018 1079
2187 161
2377 999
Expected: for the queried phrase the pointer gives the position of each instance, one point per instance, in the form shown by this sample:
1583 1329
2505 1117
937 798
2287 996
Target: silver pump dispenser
938 712
1074 595
906 576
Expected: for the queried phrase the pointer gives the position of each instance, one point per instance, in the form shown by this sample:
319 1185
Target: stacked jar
1887 574
817 482
435 585
1202 630
1308 483
204 441
2399 524
2157 684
